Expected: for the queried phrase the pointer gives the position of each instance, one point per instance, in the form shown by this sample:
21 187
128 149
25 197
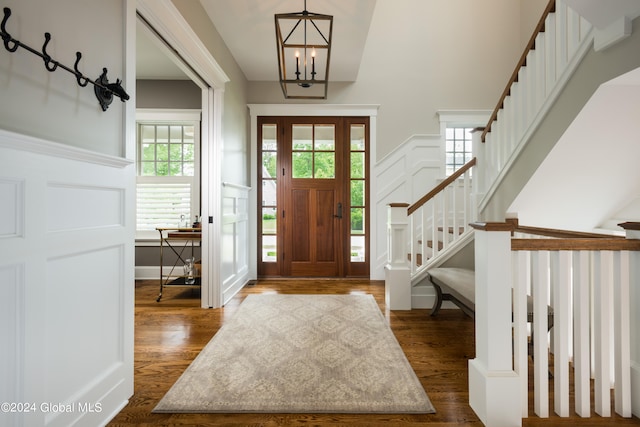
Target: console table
178 240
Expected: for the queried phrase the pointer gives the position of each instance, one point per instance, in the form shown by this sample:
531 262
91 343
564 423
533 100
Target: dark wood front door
312 221
309 211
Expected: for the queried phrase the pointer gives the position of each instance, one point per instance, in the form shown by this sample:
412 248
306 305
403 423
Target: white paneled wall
66 278
404 176
235 234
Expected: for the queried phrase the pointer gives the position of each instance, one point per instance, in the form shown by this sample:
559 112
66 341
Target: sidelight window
357 172
269 193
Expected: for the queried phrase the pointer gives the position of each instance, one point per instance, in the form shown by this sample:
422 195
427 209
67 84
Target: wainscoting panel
93 280
235 234
67 281
11 213
75 207
404 176
12 331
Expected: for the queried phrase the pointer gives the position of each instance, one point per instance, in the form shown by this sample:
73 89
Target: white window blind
162 204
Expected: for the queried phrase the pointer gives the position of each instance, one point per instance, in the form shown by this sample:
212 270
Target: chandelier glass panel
304 51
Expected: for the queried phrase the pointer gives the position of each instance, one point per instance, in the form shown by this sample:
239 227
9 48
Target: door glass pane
357 165
269 164
302 137
357 220
269 219
325 138
357 137
269 192
269 142
302 164
269 248
325 165
357 193
357 249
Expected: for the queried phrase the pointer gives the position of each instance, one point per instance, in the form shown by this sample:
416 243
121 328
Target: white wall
66 215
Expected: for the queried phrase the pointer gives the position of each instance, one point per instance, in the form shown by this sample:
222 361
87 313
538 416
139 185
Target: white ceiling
248 29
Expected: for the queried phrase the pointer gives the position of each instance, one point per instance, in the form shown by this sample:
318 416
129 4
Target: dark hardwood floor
169 335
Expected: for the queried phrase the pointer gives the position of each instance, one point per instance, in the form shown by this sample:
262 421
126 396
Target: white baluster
540 268
434 226
622 334
603 276
550 52
581 325
561 324
521 277
562 55
539 71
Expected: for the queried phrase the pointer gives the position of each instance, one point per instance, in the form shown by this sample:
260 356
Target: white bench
458 285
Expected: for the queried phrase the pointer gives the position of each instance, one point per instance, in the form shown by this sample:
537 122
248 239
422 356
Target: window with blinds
167 185
162 204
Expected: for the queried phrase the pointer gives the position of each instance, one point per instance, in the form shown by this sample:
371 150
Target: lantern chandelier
304 45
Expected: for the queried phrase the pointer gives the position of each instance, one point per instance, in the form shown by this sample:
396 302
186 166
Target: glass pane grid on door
313 153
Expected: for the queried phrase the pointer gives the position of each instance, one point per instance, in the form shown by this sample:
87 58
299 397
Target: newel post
632 230
397 273
494 387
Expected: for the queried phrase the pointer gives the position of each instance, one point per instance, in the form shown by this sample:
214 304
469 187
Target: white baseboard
147 272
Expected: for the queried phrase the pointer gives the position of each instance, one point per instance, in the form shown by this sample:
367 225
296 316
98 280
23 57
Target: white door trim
347 110
204 70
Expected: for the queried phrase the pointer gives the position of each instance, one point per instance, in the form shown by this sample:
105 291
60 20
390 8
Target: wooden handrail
560 240
540 28
585 244
444 184
556 233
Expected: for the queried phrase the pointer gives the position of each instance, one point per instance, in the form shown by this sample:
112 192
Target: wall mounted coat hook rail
103 90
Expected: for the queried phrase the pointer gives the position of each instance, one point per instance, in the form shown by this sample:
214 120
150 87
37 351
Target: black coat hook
82 80
104 90
6 37
45 56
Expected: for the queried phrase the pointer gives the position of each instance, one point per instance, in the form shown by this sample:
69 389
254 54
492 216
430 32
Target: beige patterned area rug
301 354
